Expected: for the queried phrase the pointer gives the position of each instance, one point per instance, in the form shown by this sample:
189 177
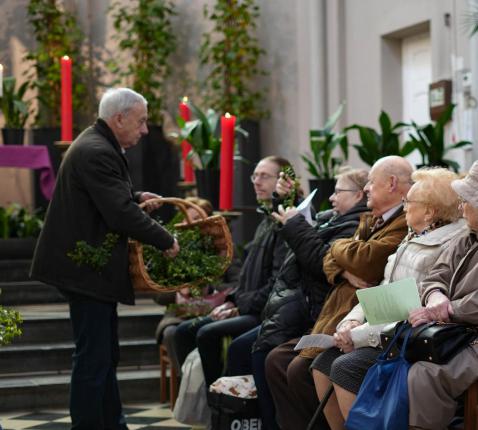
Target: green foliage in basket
10 321
197 261
94 256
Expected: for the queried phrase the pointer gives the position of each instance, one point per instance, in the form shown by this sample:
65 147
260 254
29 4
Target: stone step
28 292
14 270
51 323
34 392
36 292
56 357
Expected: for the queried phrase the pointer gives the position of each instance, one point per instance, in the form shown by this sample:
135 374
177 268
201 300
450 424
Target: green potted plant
202 134
56 34
144 33
10 321
19 229
15 111
375 145
230 53
429 140
321 162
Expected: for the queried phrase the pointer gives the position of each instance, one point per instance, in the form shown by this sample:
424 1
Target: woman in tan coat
449 293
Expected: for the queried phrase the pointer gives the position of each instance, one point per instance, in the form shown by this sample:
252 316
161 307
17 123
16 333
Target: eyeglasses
261 177
344 190
406 201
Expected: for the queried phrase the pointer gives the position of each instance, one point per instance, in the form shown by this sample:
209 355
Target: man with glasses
242 309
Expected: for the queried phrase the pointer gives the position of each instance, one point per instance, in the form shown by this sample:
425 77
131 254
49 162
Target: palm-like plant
430 141
320 162
12 104
201 133
376 145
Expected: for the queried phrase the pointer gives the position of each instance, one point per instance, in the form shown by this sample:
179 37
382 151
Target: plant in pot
10 321
144 33
429 140
230 53
19 229
202 134
15 111
375 145
321 163
56 34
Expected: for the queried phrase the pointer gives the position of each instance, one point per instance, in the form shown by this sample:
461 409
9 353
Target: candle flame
185 99
65 57
228 115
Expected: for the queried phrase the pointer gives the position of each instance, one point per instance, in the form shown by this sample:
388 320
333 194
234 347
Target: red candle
188 171
227 162
66 100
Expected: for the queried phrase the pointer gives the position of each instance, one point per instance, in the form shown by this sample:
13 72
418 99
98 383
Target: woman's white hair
118 100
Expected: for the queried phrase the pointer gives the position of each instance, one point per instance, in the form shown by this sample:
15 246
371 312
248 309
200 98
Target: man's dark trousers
95 402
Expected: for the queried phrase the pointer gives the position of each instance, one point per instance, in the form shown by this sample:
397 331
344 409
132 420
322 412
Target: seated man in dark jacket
300 287
242 310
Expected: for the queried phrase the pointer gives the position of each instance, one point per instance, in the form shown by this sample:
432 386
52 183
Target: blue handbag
382 401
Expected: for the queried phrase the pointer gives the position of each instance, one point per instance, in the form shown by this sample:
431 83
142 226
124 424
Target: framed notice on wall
439 96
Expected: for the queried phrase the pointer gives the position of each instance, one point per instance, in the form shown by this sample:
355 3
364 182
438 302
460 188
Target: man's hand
284 185
343 337
285 215
355 281
149 206
220 312
173 251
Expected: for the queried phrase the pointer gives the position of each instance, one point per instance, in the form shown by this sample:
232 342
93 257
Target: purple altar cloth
32 157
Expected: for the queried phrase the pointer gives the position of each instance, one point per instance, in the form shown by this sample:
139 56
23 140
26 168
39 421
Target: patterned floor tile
138 417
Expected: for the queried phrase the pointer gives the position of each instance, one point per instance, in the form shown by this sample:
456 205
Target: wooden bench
165 364
471 407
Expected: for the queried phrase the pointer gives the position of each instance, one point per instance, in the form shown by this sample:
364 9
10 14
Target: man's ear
393 183
118 120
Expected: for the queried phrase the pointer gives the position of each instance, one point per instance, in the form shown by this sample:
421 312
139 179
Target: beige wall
372 57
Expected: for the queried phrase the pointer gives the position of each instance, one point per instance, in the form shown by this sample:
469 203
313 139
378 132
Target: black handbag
435 342
230 412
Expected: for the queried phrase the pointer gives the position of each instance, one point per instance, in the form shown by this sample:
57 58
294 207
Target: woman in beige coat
432 216
449 293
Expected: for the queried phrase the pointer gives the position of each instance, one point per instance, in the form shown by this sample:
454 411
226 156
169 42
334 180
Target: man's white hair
118 100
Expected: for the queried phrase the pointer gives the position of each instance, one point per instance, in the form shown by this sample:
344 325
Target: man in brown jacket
357 262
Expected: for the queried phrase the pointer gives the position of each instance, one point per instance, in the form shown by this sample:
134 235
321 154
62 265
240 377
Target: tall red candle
185 114
66 100
227 162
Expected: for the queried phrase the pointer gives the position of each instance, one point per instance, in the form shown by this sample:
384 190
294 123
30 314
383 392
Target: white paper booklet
304 207
315 341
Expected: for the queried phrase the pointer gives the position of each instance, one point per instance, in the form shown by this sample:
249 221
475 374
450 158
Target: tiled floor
144 417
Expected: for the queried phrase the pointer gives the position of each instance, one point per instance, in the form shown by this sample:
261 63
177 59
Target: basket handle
182 204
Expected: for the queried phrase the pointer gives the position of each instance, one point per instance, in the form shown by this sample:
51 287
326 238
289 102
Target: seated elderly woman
432 214
449 293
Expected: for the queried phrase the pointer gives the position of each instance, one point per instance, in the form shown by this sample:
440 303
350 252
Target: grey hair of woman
118 100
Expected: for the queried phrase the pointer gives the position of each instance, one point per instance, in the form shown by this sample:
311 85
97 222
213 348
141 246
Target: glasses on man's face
406 202
337 191
262 177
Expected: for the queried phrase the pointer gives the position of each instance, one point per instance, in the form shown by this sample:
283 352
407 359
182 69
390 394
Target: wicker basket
214 226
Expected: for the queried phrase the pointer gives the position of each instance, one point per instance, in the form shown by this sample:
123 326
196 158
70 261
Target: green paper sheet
391 302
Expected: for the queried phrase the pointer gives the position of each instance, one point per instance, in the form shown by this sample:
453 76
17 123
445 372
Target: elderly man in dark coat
94 203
